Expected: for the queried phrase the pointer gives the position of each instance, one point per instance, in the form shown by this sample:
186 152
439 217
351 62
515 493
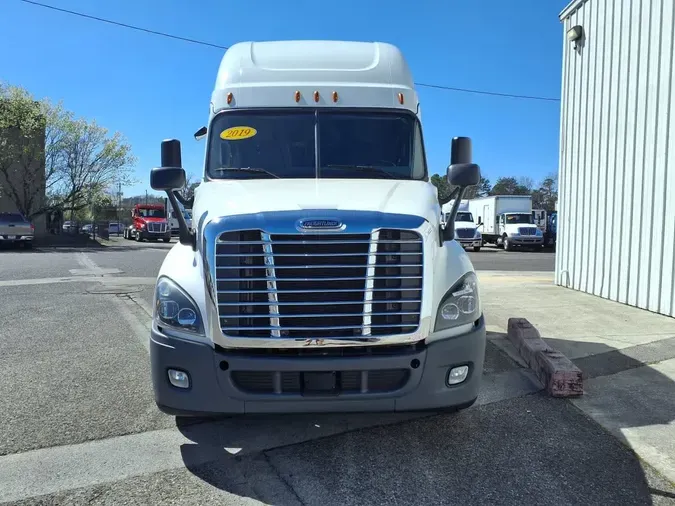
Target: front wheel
166 239
137 236
476 249
507 244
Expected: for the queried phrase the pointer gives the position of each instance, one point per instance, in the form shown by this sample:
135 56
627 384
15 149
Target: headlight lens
477 235
175 308
538 232
460 305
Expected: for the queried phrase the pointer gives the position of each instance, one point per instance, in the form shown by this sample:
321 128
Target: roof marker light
316 96
335 96
297 96
400 98
229 98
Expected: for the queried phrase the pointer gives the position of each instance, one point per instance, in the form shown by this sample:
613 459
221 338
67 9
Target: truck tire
476 249
166 239
137 236
507 244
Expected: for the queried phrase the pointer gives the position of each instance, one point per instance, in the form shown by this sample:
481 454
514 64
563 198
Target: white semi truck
318 274
506 220
466 232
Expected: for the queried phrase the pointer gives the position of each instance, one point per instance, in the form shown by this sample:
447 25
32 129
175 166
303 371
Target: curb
558 374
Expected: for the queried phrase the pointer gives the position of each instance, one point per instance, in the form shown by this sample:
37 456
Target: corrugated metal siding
616 231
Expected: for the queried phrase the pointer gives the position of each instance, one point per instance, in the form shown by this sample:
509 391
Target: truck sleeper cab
317 274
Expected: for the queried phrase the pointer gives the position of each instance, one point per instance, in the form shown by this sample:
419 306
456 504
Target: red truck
149 222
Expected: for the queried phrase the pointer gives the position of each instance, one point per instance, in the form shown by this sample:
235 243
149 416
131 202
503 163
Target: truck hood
151 219
465 224
225 198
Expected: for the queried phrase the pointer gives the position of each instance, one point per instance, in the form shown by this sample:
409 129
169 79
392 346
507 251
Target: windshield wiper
363 168
247 169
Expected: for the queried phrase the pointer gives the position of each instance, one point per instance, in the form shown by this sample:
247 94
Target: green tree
546 196
77 160
29 143
443 187
510 186
482 189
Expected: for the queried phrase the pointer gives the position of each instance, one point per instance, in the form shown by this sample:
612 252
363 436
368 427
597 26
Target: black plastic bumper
213 391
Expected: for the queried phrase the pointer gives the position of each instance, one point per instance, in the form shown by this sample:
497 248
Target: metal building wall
616 231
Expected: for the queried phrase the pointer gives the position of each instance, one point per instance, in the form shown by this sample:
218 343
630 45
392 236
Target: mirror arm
187 203
186 237
448 233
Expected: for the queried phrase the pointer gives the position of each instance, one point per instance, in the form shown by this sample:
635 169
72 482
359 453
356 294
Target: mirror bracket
186 236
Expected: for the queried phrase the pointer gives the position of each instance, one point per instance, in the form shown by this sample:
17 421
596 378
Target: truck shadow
530 449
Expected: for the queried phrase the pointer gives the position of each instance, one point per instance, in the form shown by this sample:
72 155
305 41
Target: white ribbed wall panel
616 231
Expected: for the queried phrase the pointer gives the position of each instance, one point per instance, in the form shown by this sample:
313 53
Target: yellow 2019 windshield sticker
238 133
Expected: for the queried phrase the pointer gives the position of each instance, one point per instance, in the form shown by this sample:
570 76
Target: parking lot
79 424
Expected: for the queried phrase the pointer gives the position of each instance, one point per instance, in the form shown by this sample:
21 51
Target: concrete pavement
80 426
627 356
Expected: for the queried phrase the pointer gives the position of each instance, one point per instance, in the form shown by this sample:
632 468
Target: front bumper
214 388
145 234
526 240
471 243
13 238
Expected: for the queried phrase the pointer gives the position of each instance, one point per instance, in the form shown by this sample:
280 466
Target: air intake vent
319 286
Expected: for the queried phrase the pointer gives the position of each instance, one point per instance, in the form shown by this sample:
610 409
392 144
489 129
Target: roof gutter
571 7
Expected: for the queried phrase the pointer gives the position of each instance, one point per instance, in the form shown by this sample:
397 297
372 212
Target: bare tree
92 162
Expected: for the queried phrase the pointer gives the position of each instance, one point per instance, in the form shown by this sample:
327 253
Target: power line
218 46
482 92
124 25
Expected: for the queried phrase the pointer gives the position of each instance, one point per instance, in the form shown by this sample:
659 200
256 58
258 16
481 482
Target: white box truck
466 232
173 219
318 274
506 220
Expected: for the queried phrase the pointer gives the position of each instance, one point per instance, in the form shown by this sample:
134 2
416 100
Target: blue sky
151 88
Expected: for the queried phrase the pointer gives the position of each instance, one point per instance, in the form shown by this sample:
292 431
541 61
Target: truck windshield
316 143
463 216
519 219
151 213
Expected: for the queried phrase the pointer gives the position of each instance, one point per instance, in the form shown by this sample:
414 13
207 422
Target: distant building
28 182
616 232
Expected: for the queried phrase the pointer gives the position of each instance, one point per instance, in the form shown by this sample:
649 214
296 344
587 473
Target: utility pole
146 197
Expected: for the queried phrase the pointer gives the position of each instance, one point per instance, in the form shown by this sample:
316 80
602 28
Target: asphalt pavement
80 425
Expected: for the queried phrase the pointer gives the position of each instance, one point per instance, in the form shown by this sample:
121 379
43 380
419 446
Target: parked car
115 228
87 229
15 228
69 226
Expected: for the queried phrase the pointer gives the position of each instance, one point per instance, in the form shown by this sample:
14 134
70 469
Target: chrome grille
465 233
156 228
318 286
527 230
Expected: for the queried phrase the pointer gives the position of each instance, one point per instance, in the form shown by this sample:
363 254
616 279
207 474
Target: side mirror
201 133
169 178
170 175
462 173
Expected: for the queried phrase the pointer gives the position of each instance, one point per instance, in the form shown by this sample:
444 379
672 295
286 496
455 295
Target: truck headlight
477 235
538 233
175 308
460 305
